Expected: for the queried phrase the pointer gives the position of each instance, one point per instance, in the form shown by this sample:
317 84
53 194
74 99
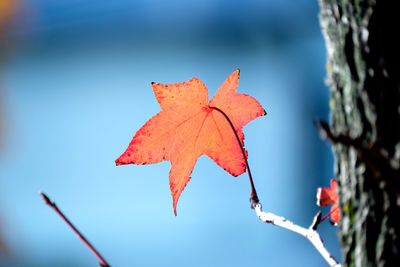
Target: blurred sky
75 86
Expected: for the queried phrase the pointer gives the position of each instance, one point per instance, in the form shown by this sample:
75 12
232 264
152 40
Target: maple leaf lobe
188 127
327 196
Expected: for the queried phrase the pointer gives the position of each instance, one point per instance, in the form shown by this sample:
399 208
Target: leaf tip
175 203
121 161
264 113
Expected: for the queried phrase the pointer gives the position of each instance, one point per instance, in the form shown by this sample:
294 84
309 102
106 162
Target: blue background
75 87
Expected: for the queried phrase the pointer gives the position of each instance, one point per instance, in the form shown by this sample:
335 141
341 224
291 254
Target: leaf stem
328 214
102 261
253 196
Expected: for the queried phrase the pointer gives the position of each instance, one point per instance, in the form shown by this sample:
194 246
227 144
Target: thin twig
310 233
375 157
102 261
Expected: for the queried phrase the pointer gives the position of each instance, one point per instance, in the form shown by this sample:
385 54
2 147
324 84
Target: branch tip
316 221
45 198
324 130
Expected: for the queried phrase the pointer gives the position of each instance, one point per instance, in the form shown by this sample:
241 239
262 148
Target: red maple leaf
189 126
327 196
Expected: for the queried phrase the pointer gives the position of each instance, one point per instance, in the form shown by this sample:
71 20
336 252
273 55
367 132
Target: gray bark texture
362 39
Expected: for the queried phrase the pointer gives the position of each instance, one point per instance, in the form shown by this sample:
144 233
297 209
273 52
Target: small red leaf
327 196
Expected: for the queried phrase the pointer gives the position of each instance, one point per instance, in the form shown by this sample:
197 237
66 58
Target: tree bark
362 38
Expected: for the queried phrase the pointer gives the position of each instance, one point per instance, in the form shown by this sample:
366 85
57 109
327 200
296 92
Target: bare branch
102 261
310 233
375 157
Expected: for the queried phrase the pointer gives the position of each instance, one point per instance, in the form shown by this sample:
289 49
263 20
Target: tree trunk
362 38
